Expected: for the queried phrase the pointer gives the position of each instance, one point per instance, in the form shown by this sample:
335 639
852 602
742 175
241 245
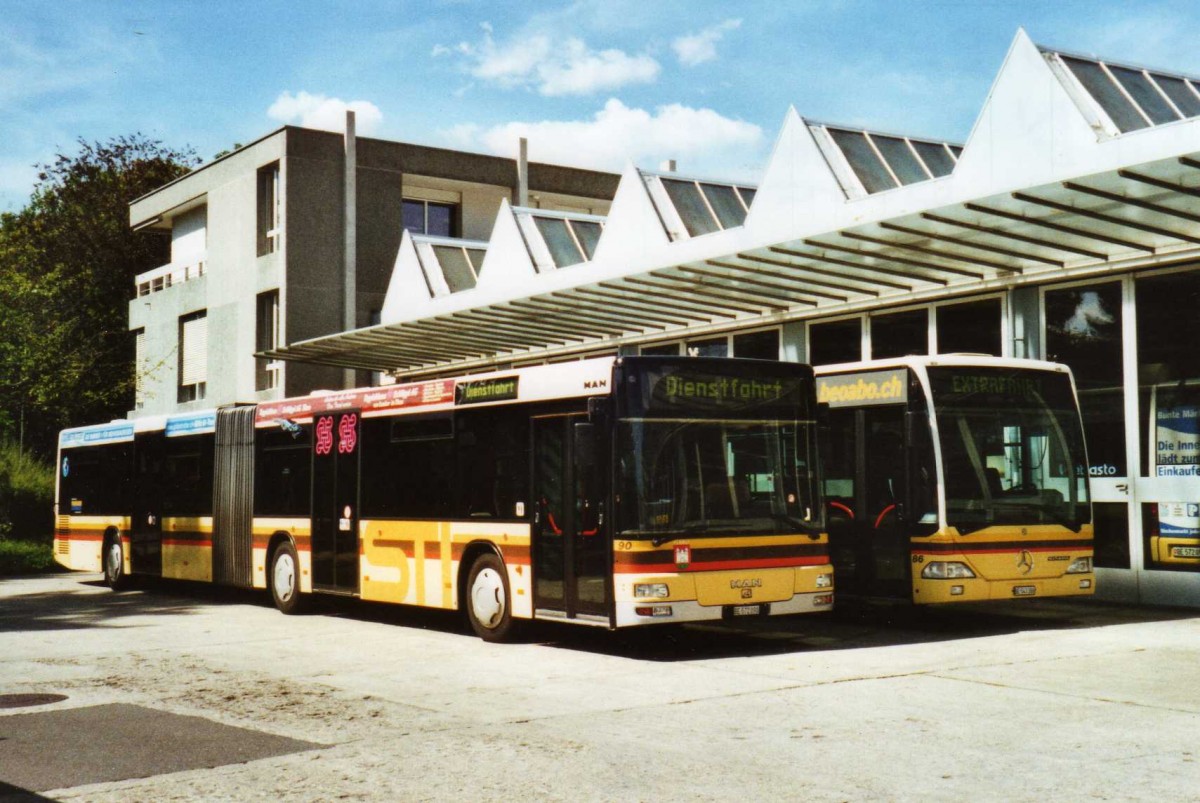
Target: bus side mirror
585 444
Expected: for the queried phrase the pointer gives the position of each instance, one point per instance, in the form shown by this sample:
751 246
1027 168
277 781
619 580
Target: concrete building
265 250
1067 227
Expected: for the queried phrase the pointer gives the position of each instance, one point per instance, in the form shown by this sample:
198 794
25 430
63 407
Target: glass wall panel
863 160
563 249
900 159
725 203
661 350
1083 330
838 341
757 345
1181 94
1111 523
970 328
899 334
713 347
455 268
1168 342
1152 103
1106 93
690 206
588 233
935 157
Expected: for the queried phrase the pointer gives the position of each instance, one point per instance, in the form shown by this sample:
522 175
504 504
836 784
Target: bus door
145 526
865 481
335 563
570 549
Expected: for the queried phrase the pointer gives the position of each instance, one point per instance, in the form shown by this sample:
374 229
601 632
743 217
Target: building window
193 356
762 345
139 369
835 342
266 372
970 328
1083 330
268 209
430 217
711 347
661 350
899 334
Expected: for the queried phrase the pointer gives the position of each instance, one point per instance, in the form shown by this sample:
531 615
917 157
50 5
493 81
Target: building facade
265 250
1066 227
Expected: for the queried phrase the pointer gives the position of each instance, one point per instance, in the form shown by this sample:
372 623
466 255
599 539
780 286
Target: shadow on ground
854 624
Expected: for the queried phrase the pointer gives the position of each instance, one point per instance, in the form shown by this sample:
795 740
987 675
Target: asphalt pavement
185 692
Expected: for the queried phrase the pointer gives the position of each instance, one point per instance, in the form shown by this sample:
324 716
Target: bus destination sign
864 389
481 391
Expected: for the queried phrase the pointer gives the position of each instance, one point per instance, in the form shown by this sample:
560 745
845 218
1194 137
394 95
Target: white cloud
617 133
318 111
698 48
552 66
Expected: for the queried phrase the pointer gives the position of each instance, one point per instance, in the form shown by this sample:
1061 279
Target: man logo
1025 562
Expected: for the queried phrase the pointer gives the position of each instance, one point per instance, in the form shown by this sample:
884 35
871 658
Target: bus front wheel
285 579
489 608
114 563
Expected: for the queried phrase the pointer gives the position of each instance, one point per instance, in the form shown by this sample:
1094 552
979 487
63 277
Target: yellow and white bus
956 478
613 491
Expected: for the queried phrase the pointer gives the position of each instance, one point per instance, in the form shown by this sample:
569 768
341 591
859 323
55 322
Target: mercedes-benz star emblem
1025 563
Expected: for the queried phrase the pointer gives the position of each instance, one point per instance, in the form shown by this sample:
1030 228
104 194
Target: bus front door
570 551
145 524
335 471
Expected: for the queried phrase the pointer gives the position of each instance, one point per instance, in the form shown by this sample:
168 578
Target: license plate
1024 591
745 610
1185 551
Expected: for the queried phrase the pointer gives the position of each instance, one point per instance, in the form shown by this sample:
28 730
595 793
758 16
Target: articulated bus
614 492
956 478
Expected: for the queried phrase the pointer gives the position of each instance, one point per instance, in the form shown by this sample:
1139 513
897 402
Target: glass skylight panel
896 153
456 268
935 157
1145 95
690 205
1181 94
863 160
588 234
747 194
563 248
725 203
1110 97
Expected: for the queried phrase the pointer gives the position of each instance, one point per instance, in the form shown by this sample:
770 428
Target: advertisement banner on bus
386 397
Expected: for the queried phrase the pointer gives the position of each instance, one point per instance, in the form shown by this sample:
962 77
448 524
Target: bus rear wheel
489 607
285 579
114 563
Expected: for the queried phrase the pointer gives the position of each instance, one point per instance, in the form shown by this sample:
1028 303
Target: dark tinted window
282 472
835 342
94 480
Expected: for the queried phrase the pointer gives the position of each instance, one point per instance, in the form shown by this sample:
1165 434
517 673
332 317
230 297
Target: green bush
26 557
26 496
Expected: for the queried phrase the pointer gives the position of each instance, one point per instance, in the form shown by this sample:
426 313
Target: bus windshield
729 453
1012 447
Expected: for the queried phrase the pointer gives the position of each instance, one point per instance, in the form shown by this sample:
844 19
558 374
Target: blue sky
592 83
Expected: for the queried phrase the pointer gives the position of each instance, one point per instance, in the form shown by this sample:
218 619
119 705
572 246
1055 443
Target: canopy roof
1051 183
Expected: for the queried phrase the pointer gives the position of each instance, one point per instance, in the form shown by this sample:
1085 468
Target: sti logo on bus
486 390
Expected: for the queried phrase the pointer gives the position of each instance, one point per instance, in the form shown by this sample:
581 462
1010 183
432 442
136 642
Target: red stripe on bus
767 563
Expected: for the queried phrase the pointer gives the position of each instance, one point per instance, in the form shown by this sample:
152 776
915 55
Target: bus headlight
651 590
946 570
824 580
1080 566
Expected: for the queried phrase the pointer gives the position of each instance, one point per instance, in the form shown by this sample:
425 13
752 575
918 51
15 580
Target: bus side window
493 473
884 464
921 495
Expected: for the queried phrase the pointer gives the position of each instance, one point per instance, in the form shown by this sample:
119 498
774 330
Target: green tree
67 262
